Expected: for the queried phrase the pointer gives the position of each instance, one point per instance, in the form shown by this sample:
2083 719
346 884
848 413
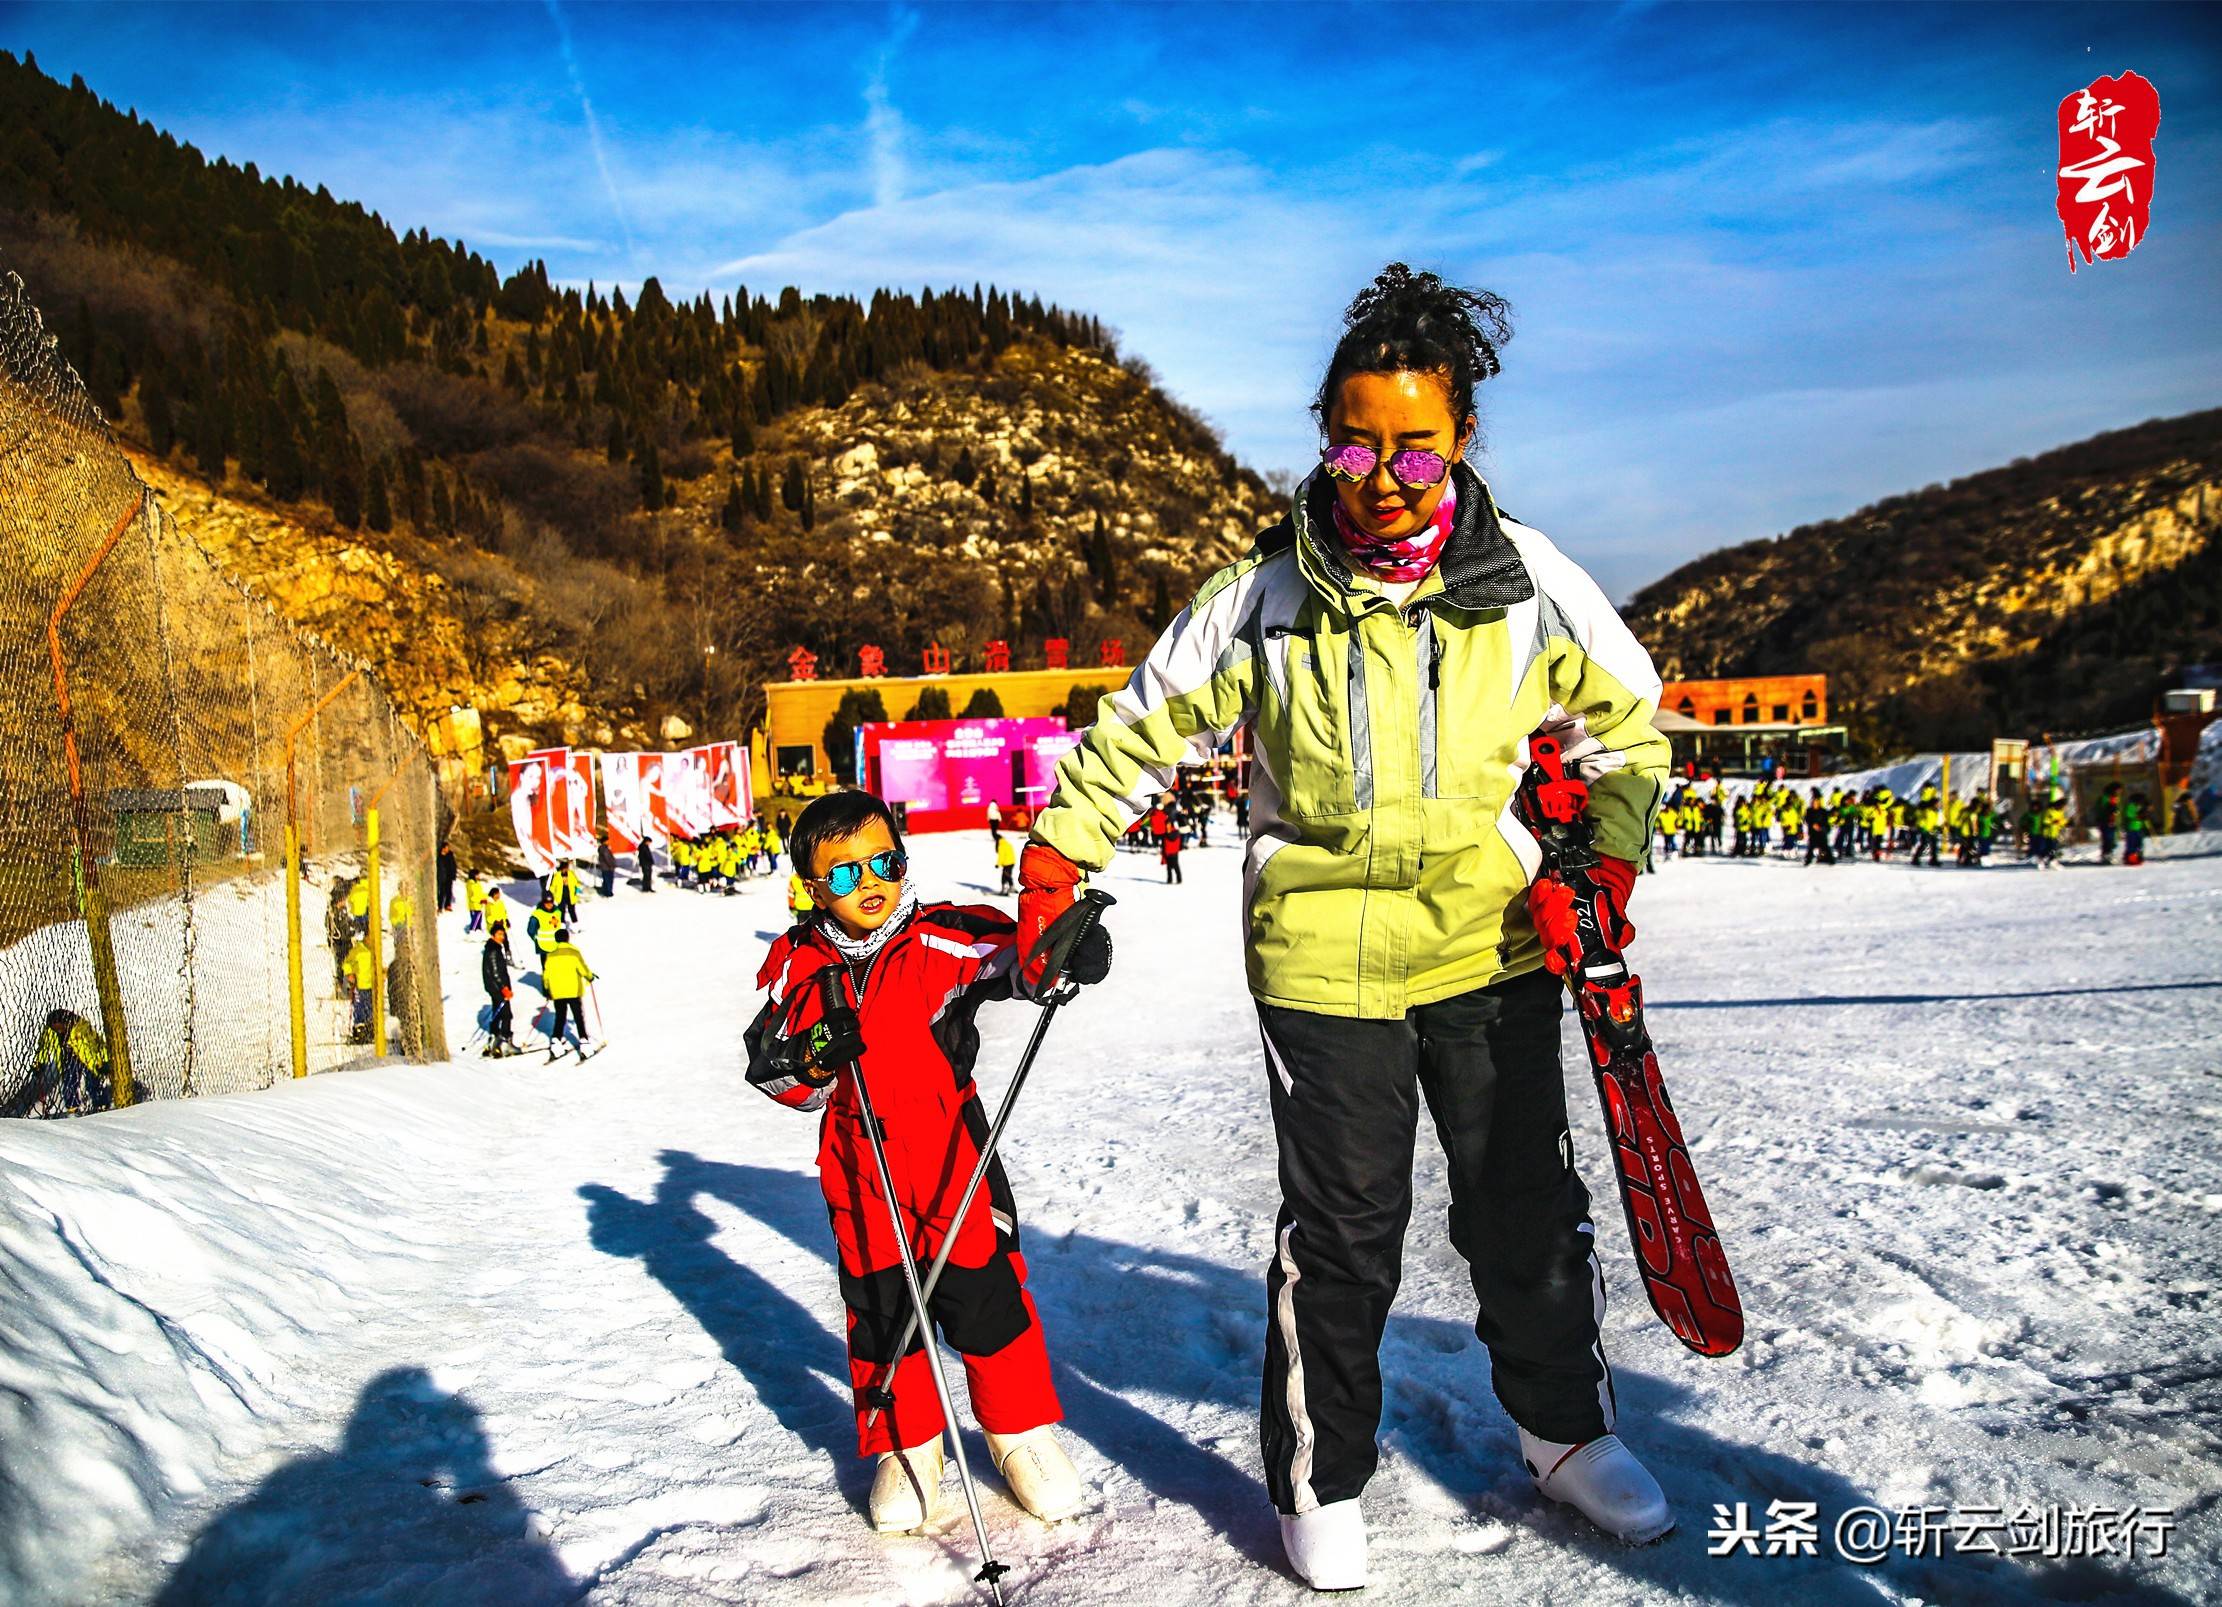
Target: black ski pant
1346 1103
576 1011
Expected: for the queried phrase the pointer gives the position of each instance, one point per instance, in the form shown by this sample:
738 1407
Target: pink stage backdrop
947 772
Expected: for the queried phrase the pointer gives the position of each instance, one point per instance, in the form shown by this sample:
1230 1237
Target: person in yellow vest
774 846
1006 862
358 903
566 890
399 909
566 974
362 973
1670 822
541 926
747 850
497 910
1928 822
682 861
798 895
474 903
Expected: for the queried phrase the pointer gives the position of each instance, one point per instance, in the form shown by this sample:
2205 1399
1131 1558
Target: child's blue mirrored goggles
888 865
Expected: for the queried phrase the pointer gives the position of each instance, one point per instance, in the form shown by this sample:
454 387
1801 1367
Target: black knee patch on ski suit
979 1310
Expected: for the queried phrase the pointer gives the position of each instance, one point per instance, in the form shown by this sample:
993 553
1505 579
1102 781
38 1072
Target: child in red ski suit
916 974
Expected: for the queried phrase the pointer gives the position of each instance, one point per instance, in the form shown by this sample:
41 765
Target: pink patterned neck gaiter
1402 559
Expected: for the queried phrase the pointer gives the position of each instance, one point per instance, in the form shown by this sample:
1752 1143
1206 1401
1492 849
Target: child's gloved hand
835 1042
1090 960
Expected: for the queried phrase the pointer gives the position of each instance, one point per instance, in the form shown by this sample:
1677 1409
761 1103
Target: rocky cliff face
2058 593
451 656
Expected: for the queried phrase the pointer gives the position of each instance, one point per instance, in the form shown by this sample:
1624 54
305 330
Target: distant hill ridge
2060 593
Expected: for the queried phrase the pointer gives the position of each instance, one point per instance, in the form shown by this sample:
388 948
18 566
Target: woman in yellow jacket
1390 645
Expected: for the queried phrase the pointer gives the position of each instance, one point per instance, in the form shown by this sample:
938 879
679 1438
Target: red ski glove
1551 905
1046 880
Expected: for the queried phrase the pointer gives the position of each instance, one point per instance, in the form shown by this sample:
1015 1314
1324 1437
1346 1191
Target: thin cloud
883 124
593 125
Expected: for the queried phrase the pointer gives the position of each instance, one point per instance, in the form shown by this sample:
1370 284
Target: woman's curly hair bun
1414 321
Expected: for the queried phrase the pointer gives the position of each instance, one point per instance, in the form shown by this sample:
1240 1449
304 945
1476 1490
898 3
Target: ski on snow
1678 1250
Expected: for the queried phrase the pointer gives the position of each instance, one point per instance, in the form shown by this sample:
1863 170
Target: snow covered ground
504 1332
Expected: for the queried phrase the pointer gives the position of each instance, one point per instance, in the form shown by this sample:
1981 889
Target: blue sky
1766 264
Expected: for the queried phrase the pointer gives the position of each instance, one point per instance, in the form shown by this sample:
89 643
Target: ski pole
597 1000
1056 993
991 1572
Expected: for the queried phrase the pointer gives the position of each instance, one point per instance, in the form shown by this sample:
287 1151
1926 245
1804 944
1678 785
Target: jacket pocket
1304 725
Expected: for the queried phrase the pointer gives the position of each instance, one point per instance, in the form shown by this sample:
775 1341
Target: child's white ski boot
907 1488
1041 1477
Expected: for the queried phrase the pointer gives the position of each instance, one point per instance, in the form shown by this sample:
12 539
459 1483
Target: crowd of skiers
711 862
720 861
1839 824
1169 825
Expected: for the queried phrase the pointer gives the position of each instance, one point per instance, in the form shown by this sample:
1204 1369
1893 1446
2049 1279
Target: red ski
1678 1251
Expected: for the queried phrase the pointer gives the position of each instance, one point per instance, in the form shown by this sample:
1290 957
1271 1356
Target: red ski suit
915 1005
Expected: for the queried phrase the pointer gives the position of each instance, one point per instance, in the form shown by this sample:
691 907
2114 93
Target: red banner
529 812
726 768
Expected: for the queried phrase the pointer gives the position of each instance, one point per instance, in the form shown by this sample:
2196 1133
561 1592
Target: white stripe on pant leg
1273 1059
1605 1398
1300 1463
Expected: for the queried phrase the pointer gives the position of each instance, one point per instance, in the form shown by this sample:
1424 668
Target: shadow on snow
407 1509
1139 1336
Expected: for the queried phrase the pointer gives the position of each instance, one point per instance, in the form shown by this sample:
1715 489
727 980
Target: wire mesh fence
163 734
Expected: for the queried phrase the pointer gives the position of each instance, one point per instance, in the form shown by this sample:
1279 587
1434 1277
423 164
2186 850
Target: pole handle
1064 938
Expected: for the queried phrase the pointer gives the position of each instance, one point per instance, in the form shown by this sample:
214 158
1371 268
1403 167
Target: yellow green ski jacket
1384 869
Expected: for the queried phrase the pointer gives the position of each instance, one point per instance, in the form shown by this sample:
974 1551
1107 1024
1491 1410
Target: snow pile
174 1275
510 1332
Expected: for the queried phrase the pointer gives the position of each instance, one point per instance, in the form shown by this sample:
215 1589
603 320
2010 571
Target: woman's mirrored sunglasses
888 865
1414 470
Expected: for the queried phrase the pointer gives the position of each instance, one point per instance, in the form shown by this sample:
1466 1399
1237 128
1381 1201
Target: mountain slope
580 513
2059 593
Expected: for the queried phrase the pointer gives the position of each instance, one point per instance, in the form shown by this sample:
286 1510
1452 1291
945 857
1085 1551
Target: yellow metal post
97 933
293 877
378 915
297 1013
377 939
1945 791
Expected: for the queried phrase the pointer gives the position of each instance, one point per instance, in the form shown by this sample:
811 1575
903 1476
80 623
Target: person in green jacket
2137 820
1390 645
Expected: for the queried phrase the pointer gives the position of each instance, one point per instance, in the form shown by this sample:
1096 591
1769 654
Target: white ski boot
1327 1545
1602 1480
907 1488
1041 1477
